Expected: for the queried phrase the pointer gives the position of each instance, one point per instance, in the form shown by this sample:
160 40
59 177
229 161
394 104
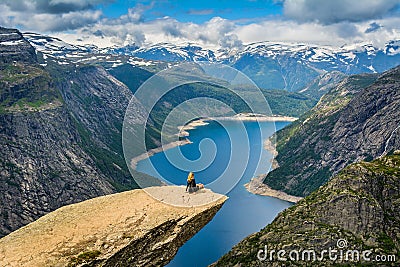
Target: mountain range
356 120
270 65
62 107
60 133
344 157
355 212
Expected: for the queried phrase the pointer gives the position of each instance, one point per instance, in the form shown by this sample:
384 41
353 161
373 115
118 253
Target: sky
210 23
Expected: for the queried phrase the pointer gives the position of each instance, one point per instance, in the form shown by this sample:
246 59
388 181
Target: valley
62 112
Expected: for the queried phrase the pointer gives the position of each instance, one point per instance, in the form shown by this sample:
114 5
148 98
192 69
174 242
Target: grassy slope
25 87
360 204
296 143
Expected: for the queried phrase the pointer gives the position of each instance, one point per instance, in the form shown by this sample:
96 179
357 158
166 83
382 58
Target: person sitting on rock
191 185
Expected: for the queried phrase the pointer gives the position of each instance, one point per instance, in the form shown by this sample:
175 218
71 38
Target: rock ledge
124 229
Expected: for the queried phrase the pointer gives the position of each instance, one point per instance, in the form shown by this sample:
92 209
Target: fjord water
243 213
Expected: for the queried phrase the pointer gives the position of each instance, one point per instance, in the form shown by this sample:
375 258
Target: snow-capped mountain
56 46
280 65
293 66
271 65
168 52
64 53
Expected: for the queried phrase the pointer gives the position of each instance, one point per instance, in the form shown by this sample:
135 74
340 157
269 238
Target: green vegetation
288 103
281 102
360 205
271 73
131 76
25 87
15 73
301 144
84 257
110 163
103 141
386 242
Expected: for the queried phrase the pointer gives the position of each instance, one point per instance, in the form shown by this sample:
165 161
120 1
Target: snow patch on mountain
272 65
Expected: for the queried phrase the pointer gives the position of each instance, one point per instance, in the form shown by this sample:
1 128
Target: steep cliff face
280 72
60 128
359 205
357 120
323 84
13 47
24 84
43 166
125 229
97 103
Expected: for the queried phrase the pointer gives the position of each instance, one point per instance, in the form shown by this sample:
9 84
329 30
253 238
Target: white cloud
328 12
282 30
219 32
122 31
311 32
311 21
45 22
45 16
81 3
50 6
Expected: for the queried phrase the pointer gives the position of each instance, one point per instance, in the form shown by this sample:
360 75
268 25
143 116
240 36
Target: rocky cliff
13 47
357 120
60 133
359 206
323 84
124 229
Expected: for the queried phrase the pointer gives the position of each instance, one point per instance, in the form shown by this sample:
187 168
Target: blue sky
210 23
243 11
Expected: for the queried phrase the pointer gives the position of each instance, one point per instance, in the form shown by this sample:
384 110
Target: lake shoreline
257 187
256 117
183 131
235 220
151 152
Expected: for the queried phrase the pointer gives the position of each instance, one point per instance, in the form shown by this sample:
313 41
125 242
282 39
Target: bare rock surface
125 229
177 196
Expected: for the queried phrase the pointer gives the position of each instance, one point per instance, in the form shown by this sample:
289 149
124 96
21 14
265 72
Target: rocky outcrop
14 47
323 84
124 229
357 120
359 206
97 102
24 84
43 167
60 134
256 186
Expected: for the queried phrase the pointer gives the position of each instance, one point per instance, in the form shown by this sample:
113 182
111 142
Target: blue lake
225 151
